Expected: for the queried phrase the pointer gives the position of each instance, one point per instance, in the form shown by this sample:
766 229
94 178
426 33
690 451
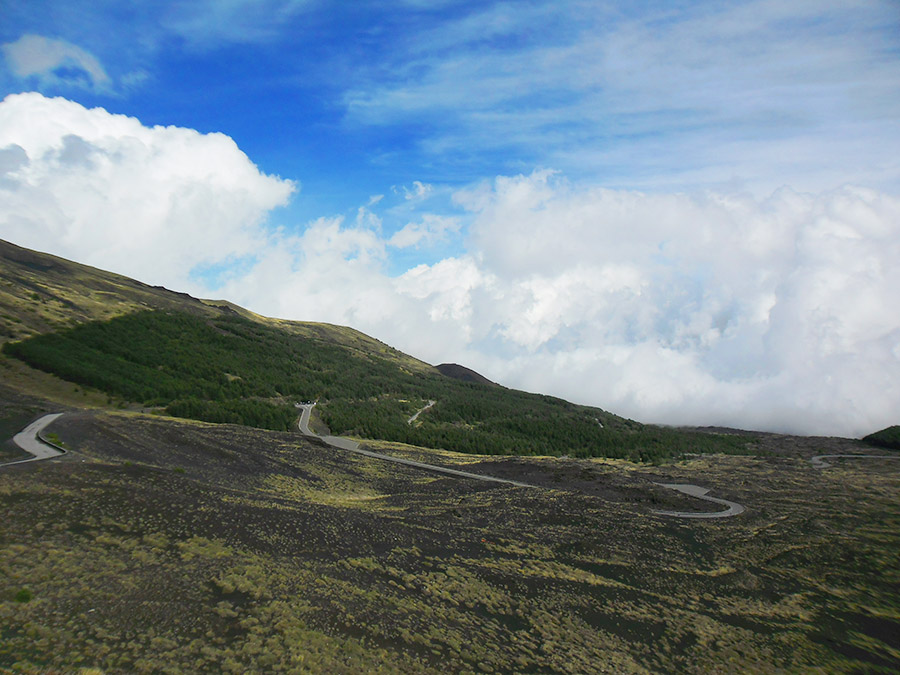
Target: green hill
42 293
886 438
230 369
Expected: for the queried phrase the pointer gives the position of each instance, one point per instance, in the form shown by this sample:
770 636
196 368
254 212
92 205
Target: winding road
818 462
353 446
416 416
29 440
733 509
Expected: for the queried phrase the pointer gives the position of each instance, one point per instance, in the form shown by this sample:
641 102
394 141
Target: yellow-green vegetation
270 553
40 293
332 490
22 377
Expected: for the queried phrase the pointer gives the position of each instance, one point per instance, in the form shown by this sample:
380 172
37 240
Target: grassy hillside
42 293
234 369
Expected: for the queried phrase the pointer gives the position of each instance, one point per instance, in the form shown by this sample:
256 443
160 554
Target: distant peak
459 372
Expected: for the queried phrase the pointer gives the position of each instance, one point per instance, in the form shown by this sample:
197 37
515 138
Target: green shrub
23 595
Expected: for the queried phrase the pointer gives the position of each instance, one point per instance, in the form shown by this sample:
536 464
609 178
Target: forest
232 370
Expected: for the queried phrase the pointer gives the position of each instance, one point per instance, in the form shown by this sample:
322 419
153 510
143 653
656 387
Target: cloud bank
705 308
773 313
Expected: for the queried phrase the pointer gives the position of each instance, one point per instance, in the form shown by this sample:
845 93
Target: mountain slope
214 361
42 293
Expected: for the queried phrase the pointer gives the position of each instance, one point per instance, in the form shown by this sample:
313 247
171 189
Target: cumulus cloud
687 309
106 190
55 62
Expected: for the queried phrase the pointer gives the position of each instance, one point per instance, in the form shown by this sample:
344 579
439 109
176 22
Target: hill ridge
41 292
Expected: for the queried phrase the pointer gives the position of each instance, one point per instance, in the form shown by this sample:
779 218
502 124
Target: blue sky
354 98
632 204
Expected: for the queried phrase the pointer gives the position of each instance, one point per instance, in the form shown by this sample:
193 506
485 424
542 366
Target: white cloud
429 231
106 190
417 192
55 62
207 23
770 313
703 309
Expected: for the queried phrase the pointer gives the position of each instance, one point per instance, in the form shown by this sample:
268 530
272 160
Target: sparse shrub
56 440
204 548
157 540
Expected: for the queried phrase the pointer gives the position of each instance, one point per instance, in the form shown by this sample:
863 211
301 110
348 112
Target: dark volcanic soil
163 544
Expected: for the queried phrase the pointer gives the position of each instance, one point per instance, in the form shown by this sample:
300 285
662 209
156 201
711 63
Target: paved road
416 416
28 440
819 464
353 446
700 492
304 417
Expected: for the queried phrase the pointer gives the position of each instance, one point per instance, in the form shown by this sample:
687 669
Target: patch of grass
38 383
54 438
